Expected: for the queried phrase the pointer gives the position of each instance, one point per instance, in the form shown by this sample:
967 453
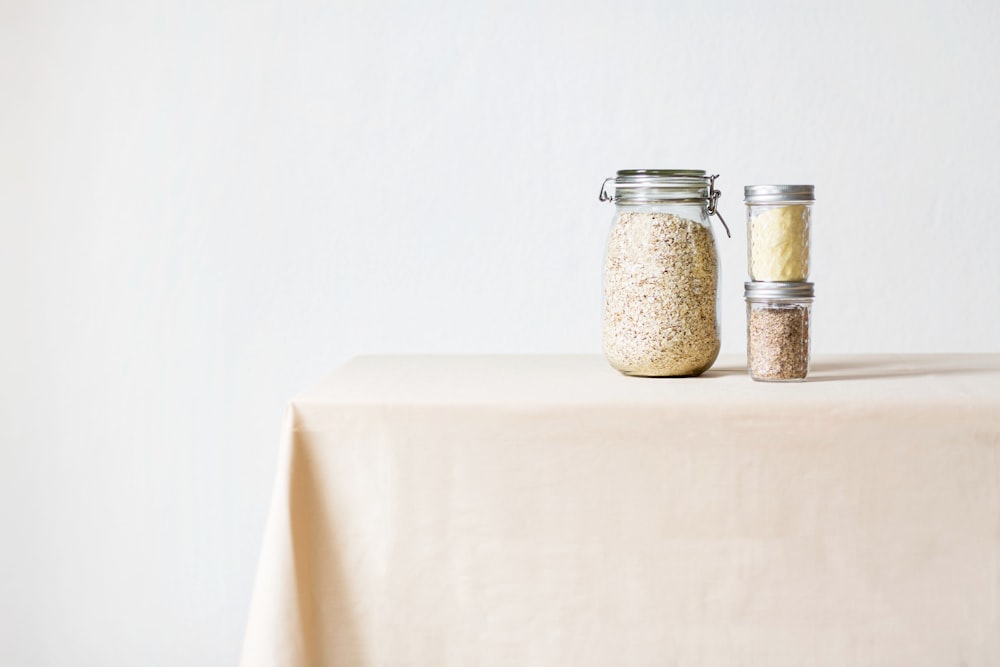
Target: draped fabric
548 511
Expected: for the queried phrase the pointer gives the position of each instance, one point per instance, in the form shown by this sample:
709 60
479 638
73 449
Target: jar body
661 282
778 241
778 341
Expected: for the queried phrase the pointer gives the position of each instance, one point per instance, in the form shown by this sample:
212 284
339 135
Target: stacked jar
779 296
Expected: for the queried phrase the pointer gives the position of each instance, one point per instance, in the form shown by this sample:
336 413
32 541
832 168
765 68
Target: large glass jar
661 274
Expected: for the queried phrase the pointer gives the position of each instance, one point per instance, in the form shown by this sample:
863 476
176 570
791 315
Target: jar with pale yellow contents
778 222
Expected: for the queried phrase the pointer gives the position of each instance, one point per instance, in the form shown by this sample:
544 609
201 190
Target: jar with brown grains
778 321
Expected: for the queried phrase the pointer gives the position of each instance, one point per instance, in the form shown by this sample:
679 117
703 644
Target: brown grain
778 342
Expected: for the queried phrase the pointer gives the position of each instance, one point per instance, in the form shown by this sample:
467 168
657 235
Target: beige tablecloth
547 511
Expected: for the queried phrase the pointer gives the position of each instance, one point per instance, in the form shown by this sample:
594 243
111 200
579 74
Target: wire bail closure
713 203
604 196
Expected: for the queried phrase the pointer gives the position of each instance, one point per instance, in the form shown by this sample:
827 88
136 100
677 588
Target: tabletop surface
547 510
587 379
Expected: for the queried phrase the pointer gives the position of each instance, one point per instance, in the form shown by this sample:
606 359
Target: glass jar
778 220
661 273
779 316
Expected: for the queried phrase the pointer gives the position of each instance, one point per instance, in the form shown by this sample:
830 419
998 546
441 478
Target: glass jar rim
665 186
650 186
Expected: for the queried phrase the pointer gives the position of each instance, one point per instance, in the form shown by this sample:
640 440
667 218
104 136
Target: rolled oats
660 286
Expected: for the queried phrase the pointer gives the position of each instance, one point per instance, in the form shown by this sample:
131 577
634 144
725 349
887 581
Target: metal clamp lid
648 186
713 203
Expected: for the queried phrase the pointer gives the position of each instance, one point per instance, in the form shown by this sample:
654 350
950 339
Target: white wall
207 206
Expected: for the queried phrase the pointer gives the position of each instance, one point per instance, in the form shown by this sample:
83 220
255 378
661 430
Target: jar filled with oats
661 273
778 322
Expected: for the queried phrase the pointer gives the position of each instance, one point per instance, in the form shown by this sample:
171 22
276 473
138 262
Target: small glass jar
778 220
779 316
661 273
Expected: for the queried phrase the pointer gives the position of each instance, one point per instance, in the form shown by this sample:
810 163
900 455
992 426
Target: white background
207 206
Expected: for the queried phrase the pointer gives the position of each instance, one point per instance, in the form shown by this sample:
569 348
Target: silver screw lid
771 291
770 194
